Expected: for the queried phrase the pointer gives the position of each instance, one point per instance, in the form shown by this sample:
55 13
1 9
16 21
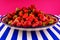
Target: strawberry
40 15
25 10
19 24
32 15
15 16
51 21
10 22
40 23
44 19
44 24
33 10
22 22
40 12
25 24
13 24
34 25
18 18
12 14
17 9
29 19
25 15
28 23
36 20
21 13
9 16
32 7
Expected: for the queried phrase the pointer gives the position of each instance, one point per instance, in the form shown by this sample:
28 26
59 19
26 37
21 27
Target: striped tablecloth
7 33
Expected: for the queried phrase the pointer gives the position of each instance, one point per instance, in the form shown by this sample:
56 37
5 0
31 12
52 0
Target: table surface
52 33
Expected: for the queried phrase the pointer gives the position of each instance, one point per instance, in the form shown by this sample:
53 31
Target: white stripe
3 30
58 23
48 35
10 34
39 36
57 34
57 16
59 19
57 27
0 15
1 24
29 35
19 35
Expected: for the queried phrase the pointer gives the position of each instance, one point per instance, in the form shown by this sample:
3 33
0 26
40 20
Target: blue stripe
58 25
52 34
14 36
5 34
56 29
34 36
2 27
24 35
43 35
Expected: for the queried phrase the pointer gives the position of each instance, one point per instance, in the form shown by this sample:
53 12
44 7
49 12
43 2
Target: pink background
47 6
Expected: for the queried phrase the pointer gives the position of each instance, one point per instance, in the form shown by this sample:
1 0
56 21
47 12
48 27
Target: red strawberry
32 7
21 13
25 10
13 13
28 23
15 16
10 22
30 18
36 20
9 16
44 23
32 15
40 23
22 22
34 25
44 18
25 15
25 24
13 23
40 15
18 24
18 18
17 9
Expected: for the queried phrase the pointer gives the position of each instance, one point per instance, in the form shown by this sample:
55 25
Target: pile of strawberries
28 17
